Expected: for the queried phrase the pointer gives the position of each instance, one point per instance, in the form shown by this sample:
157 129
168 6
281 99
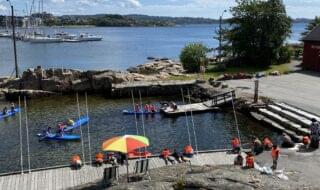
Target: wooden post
256 91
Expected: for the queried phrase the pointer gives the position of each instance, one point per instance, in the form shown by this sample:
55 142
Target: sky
190 8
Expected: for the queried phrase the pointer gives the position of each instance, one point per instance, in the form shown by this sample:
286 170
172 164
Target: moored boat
89 37
44 39
127 112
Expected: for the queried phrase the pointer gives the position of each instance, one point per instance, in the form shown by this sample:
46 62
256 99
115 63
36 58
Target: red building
311 51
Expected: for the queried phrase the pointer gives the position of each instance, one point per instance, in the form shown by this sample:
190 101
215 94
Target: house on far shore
311 50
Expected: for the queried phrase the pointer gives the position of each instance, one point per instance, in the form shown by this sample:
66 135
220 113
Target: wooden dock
210 105
66 178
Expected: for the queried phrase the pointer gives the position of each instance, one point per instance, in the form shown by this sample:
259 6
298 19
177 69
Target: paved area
299 164
301 89
65 178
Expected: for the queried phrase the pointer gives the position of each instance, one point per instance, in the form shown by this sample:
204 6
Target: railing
224 97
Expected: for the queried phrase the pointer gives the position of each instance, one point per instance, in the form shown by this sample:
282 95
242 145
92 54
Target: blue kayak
126 112
9 113
82 121
58 137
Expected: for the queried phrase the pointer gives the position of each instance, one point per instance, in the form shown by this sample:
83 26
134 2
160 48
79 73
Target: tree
311 25
192 56
257 32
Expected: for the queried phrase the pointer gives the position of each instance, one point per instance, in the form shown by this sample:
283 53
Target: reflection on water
213 130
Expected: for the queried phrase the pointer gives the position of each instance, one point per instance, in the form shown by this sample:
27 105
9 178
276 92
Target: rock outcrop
70 80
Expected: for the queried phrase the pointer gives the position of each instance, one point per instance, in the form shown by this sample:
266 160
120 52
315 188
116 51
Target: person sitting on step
188 151
76 162
165 155
99 159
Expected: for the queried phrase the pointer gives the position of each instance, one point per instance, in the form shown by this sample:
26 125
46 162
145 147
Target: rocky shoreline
40 82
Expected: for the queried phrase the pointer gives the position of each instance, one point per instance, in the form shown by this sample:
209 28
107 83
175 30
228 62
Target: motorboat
89 37
44 39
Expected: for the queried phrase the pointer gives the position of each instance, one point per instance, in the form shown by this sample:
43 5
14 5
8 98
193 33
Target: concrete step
290 125
303 121
276 126
298 111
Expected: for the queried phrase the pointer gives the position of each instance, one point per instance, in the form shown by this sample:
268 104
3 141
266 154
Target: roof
314 35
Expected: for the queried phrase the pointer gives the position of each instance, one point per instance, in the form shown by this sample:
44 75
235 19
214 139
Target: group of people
60 127
5 109
150 108
257 148
100 159
177 156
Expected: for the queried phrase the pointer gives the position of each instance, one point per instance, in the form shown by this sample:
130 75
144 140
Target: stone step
303 121
290 125
276 126
298 111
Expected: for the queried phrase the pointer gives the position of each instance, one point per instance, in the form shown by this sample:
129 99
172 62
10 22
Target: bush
285 54
192 56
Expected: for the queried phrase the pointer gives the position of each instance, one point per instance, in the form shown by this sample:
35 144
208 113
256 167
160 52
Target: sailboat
6 33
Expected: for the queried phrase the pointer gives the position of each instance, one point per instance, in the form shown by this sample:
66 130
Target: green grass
283 68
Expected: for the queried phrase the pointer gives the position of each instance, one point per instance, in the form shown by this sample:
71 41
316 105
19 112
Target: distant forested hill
116 20
121 20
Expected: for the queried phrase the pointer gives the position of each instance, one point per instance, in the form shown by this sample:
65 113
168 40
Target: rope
135 114
27 130
186 116
142 117
236 119
194 131
88 124
20 129
82 146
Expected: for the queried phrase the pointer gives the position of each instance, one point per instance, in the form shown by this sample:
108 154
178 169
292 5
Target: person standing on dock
275 156
314 129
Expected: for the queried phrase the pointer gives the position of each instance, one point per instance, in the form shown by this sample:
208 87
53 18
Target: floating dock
64 177
211 105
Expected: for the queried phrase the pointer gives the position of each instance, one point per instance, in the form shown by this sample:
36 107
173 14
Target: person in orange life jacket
165 155
306 141
188 151
275 156
147 108
76 162
235 145
153 108
99 159
250 160
267 143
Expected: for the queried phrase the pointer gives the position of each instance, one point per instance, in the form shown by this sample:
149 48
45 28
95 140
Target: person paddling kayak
4 111
13 107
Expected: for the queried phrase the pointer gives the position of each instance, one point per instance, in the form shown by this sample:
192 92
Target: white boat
44 39
88 37
5 34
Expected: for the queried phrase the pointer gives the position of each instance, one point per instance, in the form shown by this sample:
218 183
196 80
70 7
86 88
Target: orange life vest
306 140
275 152
235 143
188 150
99 156
250 161
165 153
267 142
75 158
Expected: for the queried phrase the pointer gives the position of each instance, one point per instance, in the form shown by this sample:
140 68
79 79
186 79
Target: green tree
192 56
257 32
311 25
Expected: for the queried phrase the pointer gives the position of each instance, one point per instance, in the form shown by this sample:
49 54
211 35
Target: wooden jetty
64 177
210 105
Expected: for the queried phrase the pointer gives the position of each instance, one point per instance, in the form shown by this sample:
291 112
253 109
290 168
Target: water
213 130
120 48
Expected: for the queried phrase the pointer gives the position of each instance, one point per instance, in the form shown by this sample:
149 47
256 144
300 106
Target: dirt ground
301 89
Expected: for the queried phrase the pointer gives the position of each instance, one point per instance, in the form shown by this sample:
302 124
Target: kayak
126 112
64 137
78 123
136 154
10 113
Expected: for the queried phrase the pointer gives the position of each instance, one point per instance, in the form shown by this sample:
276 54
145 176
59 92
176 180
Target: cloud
57 1
2 8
